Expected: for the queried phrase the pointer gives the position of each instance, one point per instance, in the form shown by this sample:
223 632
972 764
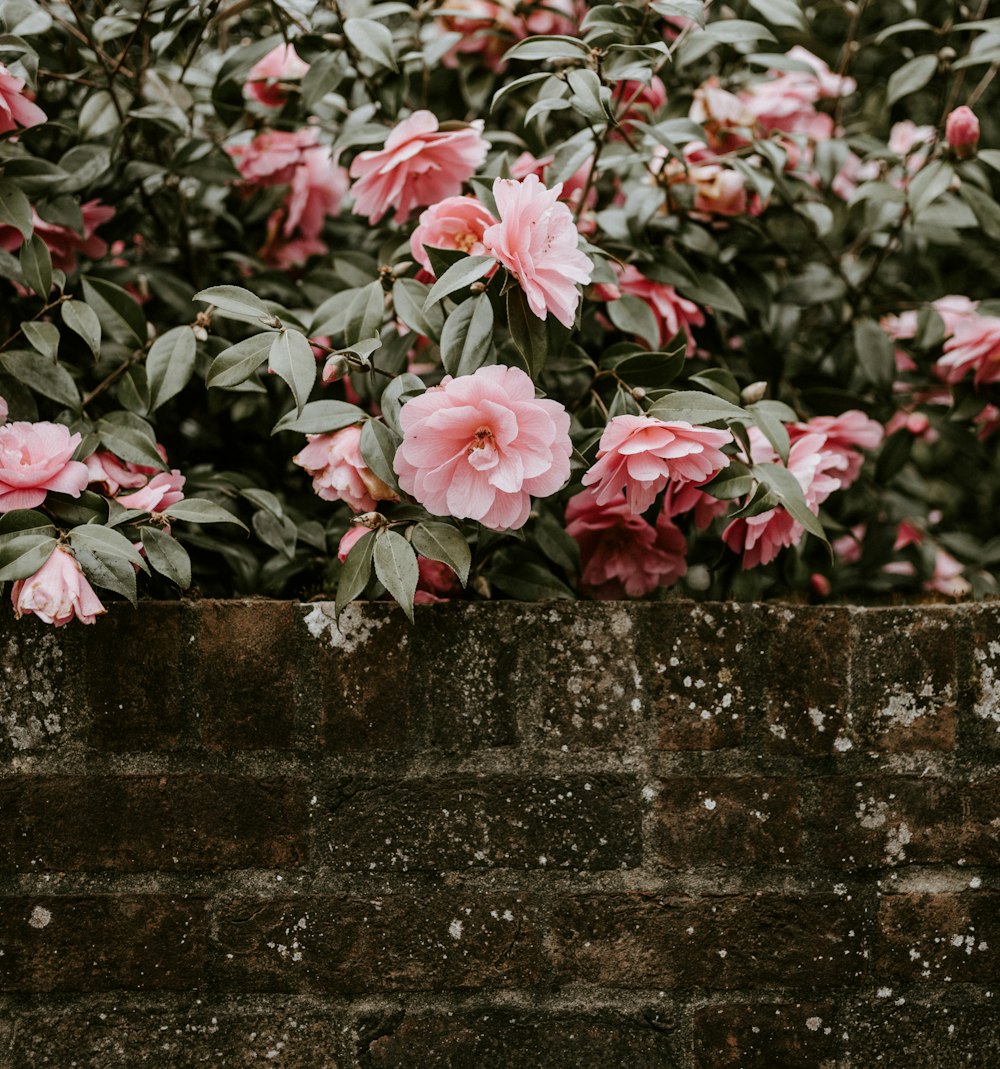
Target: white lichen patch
30 689
40 917
987 706
354 629
904 707
455 929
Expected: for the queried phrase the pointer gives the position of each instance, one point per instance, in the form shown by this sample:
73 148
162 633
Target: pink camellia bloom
640 454
674 312
845 434
162 491
948 578
620 552
351 536
639 100
973 346
15 108
57 592
487 30
962 131
727 120
34 459
420 164
339 472
64 243
270 158
479 447
536 240
573 188
686 499
761 538
111 474
318 187
455 223
281 64
436 582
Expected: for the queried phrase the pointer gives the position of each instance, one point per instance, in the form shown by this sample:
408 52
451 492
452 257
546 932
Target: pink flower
162 491
104 469
536 240
351 536
947 578
480 446
682 498
674 312
270 158
437 582
3 409
572 187
318 187
15 108
962 131
845 435
727 120
63 242
339 472
640 454
760 538
57 592
640 100
455 223
281 64
620 552
488 29
34 459
420 164
973 346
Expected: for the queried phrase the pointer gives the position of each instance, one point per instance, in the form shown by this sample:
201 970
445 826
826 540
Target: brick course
658 836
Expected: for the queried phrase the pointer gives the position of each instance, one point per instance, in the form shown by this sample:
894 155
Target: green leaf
913 75
372 40
130 437
713 292
42 374
696 407
393 397
170 364
15 208
442 542
396 568
409 298
984 207
732 482
780 12
632 315
356 571
82 319
108 556
875 351
167 556
527 331
772 428
16 522
198 510
587 97
547 48
43 336
236 364
280 534
321 417
928 184
291 357
378 448
738 31
36 265
459 276
530 582
467 338
653 370
120 315
21 557
325 74
235 302
560 548
785 487
365 314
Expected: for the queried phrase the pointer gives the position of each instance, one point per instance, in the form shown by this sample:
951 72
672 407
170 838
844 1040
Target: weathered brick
750 1036
137 678
904 679
805 690
896 820
40 706
516 1039
336 943
584 691
155 1036
462 668
465 822
699 673
136 823
726 820
645 940
102 942
939 938
979 724
247 656
359 670
899 1032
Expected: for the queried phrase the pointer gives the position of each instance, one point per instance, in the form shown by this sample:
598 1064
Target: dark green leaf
632 315
442 542
21 557
365 314
695 407
43 375
372 40
527 331
875 351
167 556
395 394
292 359
170 364
198 510
459 276
467 338
235 302
236 364
82 320
785 487
409 298
321 417
130 437
120 315
43 336
36 265
15 208
396 568
913 75
984 207
378 447
356 571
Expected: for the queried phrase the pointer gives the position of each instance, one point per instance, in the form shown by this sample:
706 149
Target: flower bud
335 368
962 131
753 393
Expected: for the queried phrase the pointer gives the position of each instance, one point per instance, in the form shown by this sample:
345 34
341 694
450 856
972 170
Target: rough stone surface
655 836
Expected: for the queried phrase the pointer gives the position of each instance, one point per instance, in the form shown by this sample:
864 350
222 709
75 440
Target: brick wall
660 836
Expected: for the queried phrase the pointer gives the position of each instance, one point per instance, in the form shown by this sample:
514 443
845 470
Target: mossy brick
459 823
728 820
92 943
353 945
646 940
904 679
144 823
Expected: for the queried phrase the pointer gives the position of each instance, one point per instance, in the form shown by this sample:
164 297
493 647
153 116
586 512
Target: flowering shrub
476 298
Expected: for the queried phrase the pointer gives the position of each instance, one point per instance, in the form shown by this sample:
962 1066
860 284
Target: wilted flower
57 592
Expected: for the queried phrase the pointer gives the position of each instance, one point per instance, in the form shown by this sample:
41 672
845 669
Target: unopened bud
336 367
756 391
200 333
947 54
478 287
638 393
374 521
962 131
